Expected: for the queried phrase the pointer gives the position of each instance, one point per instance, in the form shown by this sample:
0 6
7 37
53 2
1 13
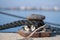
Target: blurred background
49 8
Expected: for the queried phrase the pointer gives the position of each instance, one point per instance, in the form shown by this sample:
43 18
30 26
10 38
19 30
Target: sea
51 16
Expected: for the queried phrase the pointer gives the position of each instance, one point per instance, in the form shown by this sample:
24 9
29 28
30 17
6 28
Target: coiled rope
27 38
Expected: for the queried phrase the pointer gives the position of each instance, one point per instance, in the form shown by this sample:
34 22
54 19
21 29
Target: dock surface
16 36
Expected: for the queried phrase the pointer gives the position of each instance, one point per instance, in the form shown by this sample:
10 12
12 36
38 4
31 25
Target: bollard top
36 17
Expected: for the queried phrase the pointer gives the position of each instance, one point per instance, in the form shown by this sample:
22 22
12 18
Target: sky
34 3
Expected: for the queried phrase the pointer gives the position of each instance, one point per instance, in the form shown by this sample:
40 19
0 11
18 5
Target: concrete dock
15 36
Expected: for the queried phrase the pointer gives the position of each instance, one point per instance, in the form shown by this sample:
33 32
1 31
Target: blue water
51 16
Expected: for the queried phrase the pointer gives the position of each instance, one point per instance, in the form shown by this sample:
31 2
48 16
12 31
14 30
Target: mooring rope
12 15
15 24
